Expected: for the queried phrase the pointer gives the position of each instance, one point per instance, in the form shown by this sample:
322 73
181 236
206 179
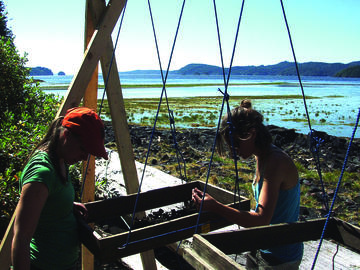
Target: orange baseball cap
88 125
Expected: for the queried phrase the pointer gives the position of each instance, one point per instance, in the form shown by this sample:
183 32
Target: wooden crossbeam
92 55
215 246
119 120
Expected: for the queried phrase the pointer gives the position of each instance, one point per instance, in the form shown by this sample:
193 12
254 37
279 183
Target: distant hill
40 71
283 68
139 71
351 72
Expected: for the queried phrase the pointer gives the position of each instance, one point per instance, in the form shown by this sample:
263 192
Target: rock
194 142
195 146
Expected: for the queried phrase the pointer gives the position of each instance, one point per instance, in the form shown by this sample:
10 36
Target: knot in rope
171 117
226 95
314 142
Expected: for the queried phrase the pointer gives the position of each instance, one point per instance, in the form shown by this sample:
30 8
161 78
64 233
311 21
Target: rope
170 112
103 96
163 92
336 190
313 140
225 99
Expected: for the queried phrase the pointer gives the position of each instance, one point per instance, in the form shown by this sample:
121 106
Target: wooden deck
344 259
218 249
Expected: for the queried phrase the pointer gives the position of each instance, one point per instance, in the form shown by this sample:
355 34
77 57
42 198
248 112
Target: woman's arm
273 177
80 210
242 218
32 200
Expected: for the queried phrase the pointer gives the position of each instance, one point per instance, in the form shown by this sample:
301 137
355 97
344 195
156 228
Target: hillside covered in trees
350 72
281 69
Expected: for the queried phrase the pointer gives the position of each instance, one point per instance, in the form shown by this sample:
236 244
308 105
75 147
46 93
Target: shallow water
334 110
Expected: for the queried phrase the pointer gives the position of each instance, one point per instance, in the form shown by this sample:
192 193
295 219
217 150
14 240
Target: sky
51 33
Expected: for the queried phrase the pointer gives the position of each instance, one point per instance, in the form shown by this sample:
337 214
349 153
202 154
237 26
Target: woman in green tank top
45 229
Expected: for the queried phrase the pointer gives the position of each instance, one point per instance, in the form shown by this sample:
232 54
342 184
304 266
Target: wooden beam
92 55
90 101
157 235
212 248
209 253
346 234
237 241
5 247
119 122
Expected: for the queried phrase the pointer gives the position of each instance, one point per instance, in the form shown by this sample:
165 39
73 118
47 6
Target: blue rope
296 65
103 96
163 234
316 141
163 92
179 155
225 99
336 190
314 144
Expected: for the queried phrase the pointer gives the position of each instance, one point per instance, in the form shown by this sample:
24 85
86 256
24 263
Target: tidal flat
328 106
204 112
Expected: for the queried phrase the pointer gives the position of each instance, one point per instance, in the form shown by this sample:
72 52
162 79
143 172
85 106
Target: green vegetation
223 175
283 68
195 111
183 85
25 114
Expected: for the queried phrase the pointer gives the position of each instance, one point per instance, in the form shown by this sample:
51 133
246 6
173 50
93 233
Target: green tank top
55 243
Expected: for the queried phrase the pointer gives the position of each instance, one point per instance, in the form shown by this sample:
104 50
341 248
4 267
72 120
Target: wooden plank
5 247
196 261
92 55
100 210
346 234
237 241
253 238
212 255
222 195
119 122
124 205
90 101
154 235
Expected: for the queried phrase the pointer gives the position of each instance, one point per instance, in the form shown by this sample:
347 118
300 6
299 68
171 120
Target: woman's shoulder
38 167
278 156
281 165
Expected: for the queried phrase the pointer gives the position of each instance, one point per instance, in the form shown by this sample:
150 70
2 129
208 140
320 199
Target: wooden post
92 55
5 247
119 122
90 101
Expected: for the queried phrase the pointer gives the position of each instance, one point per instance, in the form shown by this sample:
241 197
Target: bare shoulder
281 167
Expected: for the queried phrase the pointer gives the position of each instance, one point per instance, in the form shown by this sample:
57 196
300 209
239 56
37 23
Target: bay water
329 104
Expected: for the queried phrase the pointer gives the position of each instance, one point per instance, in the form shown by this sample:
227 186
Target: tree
4 30
25 114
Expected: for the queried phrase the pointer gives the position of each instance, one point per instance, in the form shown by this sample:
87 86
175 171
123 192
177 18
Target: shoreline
176 85
196 145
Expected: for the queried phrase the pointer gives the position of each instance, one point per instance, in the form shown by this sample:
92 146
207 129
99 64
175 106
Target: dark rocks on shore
195 146
196 141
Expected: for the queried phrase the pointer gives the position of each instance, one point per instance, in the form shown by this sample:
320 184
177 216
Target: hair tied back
246 104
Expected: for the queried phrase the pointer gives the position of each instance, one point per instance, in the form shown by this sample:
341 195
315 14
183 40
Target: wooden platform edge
211 254
5 247
211 250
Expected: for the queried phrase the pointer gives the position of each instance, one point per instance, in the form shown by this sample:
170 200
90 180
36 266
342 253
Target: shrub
25 114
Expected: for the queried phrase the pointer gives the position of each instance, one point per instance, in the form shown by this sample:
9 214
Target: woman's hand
80 210
209 202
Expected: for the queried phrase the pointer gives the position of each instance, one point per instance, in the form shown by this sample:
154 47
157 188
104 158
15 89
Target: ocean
332 103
